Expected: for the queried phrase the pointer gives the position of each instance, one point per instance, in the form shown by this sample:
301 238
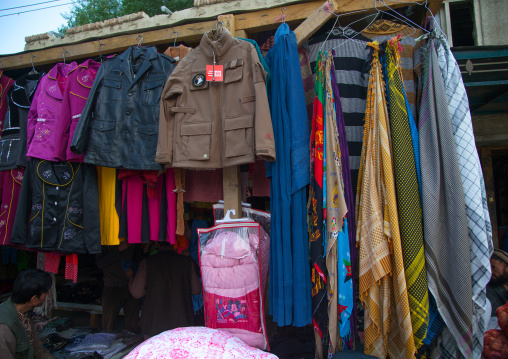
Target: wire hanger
176 36
34 71
64 55
218 32
140 41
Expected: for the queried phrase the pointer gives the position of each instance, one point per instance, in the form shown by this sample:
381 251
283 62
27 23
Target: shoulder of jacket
166 57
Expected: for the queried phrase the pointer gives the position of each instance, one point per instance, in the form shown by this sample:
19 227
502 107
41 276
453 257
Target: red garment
260 184
71 267
203 186
51 262
149 178
5 84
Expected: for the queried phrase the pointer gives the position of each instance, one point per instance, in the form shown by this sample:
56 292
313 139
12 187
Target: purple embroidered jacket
44 112
79 84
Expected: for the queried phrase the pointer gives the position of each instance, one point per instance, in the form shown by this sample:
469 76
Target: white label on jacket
76 116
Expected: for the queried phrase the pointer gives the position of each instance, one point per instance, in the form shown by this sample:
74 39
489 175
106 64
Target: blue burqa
289 284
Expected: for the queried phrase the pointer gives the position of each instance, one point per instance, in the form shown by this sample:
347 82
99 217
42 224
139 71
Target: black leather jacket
119 125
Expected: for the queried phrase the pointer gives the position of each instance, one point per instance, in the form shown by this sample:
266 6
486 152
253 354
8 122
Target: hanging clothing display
478 219
77 89
119 124
58 208
13 141
316 220
382 283
177 52
348 194
308 80
289 284
408 197
447 246
44 112
10 188
351 72
340 294
238 125
5 85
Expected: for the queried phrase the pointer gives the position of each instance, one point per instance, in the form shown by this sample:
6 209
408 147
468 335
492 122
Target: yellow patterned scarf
388 329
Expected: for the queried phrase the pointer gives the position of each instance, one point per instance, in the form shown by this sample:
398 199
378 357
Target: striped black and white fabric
351 71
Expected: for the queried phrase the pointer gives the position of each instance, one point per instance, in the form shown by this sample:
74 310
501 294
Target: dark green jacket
9 317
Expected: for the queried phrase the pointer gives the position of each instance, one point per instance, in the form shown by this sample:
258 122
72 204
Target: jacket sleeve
63 126
82 131
172 89
91 218
19 228
265 144
31 121
7 343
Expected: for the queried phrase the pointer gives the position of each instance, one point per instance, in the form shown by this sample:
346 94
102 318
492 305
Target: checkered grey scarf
478 220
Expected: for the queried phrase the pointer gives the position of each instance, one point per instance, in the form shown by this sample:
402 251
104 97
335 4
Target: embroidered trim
72 93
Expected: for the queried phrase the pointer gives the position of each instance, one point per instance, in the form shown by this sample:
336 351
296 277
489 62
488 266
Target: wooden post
488 175
315 21
231 182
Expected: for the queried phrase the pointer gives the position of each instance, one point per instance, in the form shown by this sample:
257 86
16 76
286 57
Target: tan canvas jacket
205 124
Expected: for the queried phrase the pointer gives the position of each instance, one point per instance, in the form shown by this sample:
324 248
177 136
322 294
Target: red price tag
214 73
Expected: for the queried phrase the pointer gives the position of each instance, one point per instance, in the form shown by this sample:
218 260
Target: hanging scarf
340 293
319 272
408 198
447 245
348 194
382 285
478 220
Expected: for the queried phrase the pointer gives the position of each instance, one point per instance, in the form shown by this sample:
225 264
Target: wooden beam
315 21
232 186
488 175
189 33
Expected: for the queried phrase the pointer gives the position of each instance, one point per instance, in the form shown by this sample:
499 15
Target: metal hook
140 41
34 71
64 55
176 36
100 50
217 26
283 15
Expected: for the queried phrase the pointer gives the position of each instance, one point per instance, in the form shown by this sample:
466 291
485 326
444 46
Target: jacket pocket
102 136
148 134
111 90
239 136
152 91
233 71
43 129
196 139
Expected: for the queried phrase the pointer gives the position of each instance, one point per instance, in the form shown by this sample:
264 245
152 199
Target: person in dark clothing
18 337
116 295
497 289
166 280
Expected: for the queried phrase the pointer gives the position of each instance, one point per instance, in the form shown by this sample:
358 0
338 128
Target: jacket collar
24 89
220 45
85 73
46 172
63 69
126 61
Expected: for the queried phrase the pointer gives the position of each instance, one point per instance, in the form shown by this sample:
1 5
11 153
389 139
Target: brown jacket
206 124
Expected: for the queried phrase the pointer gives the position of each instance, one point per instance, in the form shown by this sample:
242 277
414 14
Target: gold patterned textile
388 329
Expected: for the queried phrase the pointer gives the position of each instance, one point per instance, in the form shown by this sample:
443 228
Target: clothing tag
214 73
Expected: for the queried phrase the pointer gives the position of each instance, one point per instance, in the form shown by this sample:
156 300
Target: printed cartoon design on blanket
231 311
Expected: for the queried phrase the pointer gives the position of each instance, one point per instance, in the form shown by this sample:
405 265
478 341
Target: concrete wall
493 19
